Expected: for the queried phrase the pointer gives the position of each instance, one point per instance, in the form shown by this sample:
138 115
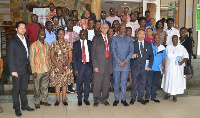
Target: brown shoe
45 103
1 109
37 106
106 103
95 104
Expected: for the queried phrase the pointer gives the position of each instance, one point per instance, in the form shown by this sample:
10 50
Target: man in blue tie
103 19
122 50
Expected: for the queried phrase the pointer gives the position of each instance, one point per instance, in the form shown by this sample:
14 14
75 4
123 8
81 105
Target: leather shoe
95 104
142 101
132 102
79 103
18 112
86 102
27 108
106 103
45 103
115 102
125 103
156 100
37 106
147 100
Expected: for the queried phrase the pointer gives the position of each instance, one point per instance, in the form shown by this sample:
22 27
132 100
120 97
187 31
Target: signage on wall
198 18
171 9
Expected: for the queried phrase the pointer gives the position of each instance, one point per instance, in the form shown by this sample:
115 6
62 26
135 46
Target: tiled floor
186 107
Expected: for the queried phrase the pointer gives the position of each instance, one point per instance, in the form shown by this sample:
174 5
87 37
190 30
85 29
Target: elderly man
122 50
102 65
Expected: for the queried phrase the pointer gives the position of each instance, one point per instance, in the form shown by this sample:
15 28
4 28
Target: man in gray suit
122 50
142 62
102 64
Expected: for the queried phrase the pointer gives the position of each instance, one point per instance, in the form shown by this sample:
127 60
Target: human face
21 30
103 15
51 7
61 35
183 32
141 35
91 24
75 20
112 11
55 21
175 40
160 25
116 24
59 12
83 34
34 19
41 35
128 32
126 10
75 13
88 7
170 24
119 14
97 25
49 26
110 33
133 17
136 14
156 38
142 23
149 32
152 22
86 14
124 18
147 15
70 25
122 29
104 29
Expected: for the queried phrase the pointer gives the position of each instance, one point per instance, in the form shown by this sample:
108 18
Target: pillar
96 8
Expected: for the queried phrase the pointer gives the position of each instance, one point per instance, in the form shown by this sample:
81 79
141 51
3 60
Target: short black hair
40 31
128 28
51 4
149 28
33 15
47 22
68 20
19 22
54 17
147 12
174 36
183 28
141 18
158 23
59 30
83 31
59 8
170 19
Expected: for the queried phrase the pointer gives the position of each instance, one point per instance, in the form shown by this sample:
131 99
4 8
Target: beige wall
189 9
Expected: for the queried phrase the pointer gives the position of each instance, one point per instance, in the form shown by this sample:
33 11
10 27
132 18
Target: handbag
188 69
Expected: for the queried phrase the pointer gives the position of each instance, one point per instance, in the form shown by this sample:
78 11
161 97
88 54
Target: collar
20 37
48 31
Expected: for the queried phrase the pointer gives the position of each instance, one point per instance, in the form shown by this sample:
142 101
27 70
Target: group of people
68 49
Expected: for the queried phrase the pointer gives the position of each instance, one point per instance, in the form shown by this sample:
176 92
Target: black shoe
147 100
65 103
71 91
18 112
125 103
106 103
132 102
174 98
56 103
86 102
115 102
27 108
79 103
142 101
95 104
156 100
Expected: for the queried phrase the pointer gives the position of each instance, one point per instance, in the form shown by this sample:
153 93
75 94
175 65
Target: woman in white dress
174 81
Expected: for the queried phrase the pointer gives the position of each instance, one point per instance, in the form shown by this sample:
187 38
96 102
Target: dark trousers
138 85
20 85
84 76
153 78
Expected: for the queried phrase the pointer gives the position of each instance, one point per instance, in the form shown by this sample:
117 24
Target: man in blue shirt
154 75
50 35
122 51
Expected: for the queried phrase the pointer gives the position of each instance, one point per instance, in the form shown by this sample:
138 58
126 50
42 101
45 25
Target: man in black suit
103 19
82 66
17 49
142 62
102 64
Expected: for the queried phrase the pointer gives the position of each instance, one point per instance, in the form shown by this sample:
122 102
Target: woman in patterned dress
61 70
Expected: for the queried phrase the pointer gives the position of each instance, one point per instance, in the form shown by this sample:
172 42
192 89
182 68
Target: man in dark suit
103 19
102 64
17 49
142 62
82 66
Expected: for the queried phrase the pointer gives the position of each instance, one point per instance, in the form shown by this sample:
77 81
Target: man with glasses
82 66
112 16
103 18
33 28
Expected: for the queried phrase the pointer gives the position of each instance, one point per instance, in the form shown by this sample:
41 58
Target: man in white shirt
91 31
112 16
124 20
171 31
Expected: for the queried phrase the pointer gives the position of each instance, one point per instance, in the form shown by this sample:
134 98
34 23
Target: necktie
83 52
141 49
107 51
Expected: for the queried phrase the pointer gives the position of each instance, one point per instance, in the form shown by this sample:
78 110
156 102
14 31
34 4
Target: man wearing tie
142 62
82 66
122 50
102 65
103 19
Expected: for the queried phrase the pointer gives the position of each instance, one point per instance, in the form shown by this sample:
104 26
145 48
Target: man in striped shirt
52 11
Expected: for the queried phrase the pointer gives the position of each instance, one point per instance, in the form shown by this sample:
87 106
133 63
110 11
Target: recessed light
125 3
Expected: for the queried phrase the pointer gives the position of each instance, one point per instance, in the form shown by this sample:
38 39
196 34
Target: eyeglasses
34 18
103 14
60 33
82 34
55 19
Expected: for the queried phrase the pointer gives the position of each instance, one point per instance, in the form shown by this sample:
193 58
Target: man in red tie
82 66
102 65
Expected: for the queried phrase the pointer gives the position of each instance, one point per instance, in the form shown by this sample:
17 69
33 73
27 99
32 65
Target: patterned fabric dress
61 50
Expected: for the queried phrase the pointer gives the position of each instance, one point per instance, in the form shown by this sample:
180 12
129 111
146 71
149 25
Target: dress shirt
50 37
139 46
106 39
133 30
91 34
24 43
170 33
135 24
86 49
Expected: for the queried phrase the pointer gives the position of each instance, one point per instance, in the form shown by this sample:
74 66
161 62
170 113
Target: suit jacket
98 54
77 55
17 56
138 64
96 32
107 22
